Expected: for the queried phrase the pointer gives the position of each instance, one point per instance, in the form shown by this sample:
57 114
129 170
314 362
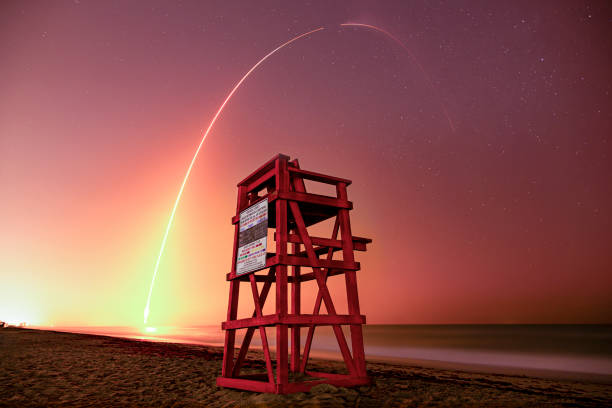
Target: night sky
506 219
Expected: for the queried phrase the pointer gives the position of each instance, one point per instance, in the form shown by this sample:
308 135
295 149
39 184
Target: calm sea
578 349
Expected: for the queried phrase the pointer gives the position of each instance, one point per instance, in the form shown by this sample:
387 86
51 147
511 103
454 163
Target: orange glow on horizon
506 219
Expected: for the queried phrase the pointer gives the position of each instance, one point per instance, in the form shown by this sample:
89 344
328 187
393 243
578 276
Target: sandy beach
46 368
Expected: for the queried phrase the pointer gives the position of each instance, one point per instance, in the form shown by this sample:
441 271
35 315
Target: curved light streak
195 156
416 61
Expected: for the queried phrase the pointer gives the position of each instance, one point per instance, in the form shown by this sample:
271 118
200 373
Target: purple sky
505 220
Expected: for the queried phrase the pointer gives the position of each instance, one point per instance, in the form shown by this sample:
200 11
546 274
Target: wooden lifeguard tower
275 196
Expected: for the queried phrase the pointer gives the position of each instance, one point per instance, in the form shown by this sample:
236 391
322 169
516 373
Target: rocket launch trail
195 156
416 61
229 96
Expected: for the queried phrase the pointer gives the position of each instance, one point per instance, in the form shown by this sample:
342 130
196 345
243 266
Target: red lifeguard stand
275 196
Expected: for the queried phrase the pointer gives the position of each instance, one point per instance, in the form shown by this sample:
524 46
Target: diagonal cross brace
244 348
317 307
329 304
262 329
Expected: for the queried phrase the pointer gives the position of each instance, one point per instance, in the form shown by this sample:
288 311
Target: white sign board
252 238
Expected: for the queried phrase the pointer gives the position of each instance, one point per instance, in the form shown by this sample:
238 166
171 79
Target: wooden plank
298 185
260 386
304 277
322 178
346 354
301 187
258 183
289 260
282 334
293 320
316 199
320 250
317 308
267 320
318 319
310 198
258 278
232 306
262 169
262 330
361 240
358 242
318 263
230 335
239 203
246 341
244 348
295 309
351 283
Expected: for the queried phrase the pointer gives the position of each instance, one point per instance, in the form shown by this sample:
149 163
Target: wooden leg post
351 283
295 310
282 333
230 335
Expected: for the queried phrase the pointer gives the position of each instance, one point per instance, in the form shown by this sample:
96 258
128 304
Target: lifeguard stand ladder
291 209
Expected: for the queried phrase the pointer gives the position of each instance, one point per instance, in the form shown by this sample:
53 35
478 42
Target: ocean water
578 349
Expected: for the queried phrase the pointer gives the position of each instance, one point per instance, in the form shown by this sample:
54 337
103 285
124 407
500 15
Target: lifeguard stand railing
275 197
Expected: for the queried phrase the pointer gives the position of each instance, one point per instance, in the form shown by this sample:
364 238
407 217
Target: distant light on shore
15 323
150 329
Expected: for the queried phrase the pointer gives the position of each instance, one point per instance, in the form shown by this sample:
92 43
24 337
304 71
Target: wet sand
46 368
